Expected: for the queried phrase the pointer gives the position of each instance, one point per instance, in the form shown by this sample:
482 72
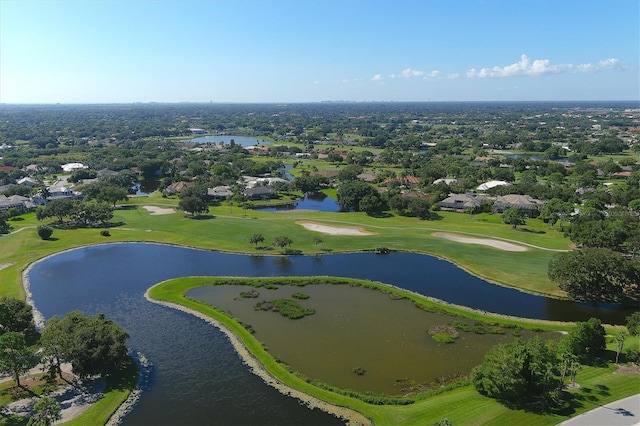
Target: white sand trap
158 210
502 245
5 265
334 230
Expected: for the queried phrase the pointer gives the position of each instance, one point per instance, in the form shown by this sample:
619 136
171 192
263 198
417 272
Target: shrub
632 355
44 232
105 233
443 337
359 371
251 294
443 333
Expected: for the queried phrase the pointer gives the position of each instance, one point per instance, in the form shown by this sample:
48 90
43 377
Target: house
178 187
27 181
69 167
220 192
459 203
16 201
491 184
445 181
368 177
259 192
529 206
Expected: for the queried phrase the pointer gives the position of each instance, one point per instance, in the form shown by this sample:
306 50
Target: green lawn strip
118 388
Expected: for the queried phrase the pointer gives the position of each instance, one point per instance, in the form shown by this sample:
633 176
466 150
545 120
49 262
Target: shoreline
352 417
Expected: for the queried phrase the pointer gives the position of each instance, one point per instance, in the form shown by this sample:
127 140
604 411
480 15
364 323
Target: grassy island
469 407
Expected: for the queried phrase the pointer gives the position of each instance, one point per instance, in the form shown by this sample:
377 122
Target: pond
350 329
238 140
197 377
316 200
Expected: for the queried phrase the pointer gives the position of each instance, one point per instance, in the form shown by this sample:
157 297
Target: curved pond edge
352 417
246 345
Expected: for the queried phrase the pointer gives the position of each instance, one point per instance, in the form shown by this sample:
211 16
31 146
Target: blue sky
318 50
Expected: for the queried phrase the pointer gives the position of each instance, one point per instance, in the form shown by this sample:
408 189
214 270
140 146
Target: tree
55 343
317 240
4 226
513 216
192 205
419 207
16 315
620 338
307 182
256 239
370 204
16 358
633 323
59 208
112 194
47 412
44 232
517 372
350 193
282 241
586 340
93 345
596 275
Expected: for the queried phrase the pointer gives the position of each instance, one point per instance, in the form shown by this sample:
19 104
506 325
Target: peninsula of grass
460 403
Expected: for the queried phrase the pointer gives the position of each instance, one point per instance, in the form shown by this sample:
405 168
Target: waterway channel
197 377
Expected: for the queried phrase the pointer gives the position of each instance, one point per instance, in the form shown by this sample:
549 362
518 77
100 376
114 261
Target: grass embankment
462 405
228 229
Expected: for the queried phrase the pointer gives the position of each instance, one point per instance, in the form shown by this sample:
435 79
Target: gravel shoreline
352 417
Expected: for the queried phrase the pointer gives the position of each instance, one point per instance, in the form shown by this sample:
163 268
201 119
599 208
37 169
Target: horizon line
309 102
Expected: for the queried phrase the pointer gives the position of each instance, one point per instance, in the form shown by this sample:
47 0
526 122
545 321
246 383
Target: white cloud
541 67
408 73
377 77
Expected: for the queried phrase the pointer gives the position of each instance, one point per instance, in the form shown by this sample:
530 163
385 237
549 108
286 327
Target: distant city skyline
267 51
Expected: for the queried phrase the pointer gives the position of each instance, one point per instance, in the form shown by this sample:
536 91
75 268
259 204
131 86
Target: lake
316 200
197 377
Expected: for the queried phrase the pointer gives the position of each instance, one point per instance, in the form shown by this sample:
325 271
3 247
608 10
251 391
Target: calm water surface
356 327
198 378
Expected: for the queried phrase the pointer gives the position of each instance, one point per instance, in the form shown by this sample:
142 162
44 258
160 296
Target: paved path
624 412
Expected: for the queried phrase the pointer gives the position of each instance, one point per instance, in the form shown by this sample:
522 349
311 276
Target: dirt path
74 399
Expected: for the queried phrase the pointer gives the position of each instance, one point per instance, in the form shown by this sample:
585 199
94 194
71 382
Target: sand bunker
334 230
158 210
502 245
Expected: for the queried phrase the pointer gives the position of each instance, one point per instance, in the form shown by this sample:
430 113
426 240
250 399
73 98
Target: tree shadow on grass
202 217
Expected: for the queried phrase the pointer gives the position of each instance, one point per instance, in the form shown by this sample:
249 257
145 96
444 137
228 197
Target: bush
44 232
632 355
105 233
